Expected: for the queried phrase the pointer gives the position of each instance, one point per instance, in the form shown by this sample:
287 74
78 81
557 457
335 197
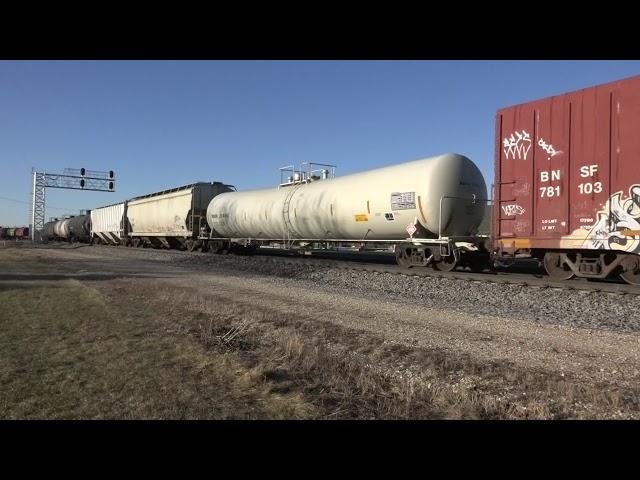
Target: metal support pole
37 208
33 206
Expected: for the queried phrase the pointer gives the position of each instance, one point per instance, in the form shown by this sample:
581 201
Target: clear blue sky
163 124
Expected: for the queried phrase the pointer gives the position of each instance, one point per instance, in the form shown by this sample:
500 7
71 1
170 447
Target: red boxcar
567 181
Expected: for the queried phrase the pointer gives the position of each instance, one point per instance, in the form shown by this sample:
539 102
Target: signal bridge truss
73 179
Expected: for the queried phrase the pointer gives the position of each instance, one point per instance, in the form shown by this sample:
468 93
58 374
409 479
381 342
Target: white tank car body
61 228
376 204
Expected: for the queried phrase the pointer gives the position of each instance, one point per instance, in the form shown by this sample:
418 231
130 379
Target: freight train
566 192
173 218
14 233
71 229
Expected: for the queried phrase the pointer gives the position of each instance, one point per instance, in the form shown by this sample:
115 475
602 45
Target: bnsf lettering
549 176
555 175
588 188
550 191
587 171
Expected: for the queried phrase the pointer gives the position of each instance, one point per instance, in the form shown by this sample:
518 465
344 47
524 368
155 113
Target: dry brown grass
148 349
353 374
67 352
13 259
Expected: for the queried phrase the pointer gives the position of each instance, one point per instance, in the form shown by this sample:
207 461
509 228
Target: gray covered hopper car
109 224
174 217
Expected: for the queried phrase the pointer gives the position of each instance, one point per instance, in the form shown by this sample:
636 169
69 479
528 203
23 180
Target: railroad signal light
100 181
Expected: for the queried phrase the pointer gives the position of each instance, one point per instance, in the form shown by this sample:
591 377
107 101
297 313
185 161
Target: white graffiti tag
517 145
619 214
547 147
510 210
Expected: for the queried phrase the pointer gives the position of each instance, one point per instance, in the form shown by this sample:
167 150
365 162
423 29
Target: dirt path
589 356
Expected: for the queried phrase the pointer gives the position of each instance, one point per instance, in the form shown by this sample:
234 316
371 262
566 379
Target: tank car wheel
446 264
402 258
631 270
555 268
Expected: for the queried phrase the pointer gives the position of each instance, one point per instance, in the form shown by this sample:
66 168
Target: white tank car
61 228
376 204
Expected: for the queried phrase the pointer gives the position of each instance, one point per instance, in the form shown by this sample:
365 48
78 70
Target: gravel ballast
552 306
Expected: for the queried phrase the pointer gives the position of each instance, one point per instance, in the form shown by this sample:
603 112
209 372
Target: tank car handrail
330 174
306 175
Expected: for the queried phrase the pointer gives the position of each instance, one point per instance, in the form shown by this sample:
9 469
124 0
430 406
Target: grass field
106 361
152 349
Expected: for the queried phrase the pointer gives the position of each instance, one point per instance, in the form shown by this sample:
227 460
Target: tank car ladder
289 230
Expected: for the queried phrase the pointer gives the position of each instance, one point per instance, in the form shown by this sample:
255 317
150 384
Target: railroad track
538 280
523 274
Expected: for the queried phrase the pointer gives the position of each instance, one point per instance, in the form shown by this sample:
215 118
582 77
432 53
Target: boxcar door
551 157
515 184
